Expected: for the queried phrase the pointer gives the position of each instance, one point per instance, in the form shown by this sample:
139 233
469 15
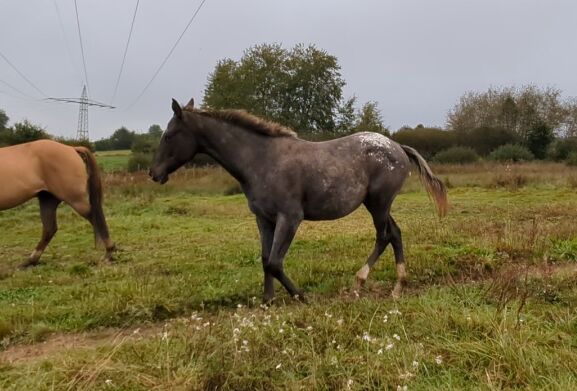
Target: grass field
491 301
113 161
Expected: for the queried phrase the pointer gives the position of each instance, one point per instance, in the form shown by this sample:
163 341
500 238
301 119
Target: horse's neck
239 151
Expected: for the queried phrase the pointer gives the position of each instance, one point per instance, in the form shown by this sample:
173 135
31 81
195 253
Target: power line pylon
82 132
83 102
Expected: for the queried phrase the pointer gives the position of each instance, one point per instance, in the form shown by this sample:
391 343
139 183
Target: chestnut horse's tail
434 185
94 195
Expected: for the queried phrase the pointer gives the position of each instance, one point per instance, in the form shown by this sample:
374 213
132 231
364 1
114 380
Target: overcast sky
415 58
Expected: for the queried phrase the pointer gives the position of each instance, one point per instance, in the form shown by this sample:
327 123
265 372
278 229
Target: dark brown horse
53 173
287 180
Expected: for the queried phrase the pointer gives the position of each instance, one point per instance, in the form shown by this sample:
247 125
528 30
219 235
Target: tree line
302 87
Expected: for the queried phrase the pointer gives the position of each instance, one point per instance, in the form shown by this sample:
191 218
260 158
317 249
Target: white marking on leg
363 273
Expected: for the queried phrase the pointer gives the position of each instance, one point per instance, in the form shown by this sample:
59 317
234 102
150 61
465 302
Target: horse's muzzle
156 177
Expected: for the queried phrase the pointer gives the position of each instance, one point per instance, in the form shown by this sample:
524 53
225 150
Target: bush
428 141
457 155
560 149
572 159
139 162
511 153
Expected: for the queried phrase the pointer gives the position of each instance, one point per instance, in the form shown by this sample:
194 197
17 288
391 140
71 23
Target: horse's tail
94 195
434 185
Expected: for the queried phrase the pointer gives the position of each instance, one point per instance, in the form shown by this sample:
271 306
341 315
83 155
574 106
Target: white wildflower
385 318
396 336
439 359
380 351
402 388
108 382
340 322
278 366
390 346
395 312
415 364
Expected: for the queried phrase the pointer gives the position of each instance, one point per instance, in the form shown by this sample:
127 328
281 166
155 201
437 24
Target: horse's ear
176 109
190 104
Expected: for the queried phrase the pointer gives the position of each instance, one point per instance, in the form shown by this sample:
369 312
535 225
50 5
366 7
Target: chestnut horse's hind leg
83 208
48 206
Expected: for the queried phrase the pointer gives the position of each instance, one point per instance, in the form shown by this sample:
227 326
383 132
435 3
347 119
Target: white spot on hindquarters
370 139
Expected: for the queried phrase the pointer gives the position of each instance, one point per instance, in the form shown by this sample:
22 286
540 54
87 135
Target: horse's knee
274 269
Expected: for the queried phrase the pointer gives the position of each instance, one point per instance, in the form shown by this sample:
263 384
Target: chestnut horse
288 180
53 173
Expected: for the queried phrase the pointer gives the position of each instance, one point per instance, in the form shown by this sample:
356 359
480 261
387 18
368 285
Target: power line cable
22 75
125 52
16 89
66 43
81 47
167 56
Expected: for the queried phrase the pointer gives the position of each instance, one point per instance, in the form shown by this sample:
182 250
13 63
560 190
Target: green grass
113 161
491 301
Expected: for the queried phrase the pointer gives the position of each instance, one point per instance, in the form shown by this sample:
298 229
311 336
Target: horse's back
43 165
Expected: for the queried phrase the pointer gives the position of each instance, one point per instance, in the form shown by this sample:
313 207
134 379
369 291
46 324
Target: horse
287 180
54 173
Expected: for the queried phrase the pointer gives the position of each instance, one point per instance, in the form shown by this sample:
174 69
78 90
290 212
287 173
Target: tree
300 88
25 131
428 141
539 137
155 131
346 120
370 119
3 120
122 138
517 110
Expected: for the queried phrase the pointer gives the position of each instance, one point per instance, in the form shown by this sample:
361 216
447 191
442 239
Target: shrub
572 159
428 141
457 155
560 149
139 162
511 153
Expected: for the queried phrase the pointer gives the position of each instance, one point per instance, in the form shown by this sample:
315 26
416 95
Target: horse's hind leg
396 240
380 220
48 206
82 207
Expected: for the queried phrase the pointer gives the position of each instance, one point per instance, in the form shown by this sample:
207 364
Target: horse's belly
333 205
18 187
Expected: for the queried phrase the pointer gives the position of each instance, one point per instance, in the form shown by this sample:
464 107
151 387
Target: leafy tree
347 118
3 120
122 138
370 119
301 87
155 131
517 110
539 137
25 131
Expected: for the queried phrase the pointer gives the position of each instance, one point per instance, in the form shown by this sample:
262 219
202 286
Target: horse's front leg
285 230
266 230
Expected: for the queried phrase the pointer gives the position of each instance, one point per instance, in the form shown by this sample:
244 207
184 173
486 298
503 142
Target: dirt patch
61 343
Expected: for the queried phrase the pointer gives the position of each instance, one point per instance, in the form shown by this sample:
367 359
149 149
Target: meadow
491 301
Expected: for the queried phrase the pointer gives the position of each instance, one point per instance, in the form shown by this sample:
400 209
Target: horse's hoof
360 282
300 297
397 292
25 265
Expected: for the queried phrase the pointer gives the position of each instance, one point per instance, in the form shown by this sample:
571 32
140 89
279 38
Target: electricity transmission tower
83 102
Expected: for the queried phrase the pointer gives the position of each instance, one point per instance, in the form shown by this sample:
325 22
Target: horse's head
177 145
